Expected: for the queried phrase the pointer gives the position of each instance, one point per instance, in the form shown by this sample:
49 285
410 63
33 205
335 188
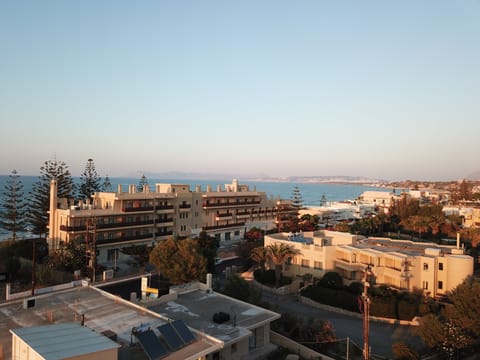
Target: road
382 335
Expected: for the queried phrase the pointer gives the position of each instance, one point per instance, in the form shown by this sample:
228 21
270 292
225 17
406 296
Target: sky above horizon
379 89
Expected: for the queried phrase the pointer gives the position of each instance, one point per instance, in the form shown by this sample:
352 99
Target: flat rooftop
403 246
196 308
102 312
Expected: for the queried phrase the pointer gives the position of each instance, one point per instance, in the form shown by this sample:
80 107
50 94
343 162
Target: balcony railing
72 228
163 233
164 207
224 215
124 238
225 226
107 225
161 221
184 206
140 208
244 203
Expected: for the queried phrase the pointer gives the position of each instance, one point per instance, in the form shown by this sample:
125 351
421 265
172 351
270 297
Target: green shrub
331 280
383 307
355 288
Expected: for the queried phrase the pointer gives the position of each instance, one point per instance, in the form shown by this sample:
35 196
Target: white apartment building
381 199
116 219
398 263
336 212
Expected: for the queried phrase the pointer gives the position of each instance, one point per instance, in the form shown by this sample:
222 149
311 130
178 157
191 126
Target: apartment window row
440 266
439 285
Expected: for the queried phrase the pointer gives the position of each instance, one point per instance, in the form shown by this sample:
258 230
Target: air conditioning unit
29 303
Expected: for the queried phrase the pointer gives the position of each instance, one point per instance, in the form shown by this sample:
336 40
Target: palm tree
259 255
278 254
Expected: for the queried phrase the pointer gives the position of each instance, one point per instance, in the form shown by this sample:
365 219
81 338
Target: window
440 266
234 348
317 265
425 266
425 285
440 285
305 263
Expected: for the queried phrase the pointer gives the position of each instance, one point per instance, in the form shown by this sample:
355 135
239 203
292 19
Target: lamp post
366 311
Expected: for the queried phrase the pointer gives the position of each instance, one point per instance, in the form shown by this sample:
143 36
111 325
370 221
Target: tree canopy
456 328
181 261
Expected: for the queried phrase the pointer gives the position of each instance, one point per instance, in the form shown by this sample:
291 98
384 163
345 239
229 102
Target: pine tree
13 213
297 201
143 181
107 185
39 201
90 182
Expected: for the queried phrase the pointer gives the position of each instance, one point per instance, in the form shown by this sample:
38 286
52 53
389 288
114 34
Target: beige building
116 219
401 264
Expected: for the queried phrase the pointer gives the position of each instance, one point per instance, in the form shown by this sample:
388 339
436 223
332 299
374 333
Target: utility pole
91 250
33 266
366 312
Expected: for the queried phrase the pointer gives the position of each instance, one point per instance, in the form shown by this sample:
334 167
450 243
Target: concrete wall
296 348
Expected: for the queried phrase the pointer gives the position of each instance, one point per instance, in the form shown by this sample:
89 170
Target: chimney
458 240
119 188
198 188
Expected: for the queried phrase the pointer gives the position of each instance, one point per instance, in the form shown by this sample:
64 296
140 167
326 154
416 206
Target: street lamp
366 311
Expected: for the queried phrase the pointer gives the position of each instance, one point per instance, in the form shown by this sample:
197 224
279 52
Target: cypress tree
13 209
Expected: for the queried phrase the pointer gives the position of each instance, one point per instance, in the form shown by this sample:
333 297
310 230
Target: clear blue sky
382 89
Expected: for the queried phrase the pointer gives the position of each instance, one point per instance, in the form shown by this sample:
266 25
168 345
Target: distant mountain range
474 176
338 179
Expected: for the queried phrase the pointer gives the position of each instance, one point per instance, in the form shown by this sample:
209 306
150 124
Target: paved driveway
382 335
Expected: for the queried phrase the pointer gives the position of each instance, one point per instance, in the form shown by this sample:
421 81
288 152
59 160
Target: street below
382 335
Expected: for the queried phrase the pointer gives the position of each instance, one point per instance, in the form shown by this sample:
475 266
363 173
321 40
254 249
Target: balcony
124 224
232 204
124 239
346 265
159 221
163 233
164 207
184 206
225 226
138 209
73 228
107 226
223 217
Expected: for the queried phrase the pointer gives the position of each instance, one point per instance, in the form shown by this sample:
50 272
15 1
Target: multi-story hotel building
397 263
116 219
